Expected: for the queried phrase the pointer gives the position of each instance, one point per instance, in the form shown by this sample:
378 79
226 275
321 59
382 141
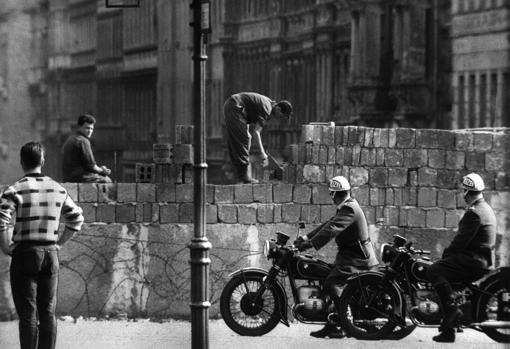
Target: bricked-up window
484 117
83 28
109 103
472 100
461 90
493 99
109 38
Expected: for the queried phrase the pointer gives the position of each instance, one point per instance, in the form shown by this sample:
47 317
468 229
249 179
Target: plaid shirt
38 202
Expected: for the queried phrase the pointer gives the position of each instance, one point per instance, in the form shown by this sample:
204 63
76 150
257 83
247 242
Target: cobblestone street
177 334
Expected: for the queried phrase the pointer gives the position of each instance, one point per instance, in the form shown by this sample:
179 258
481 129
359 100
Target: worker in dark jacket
469 255
355 251
240 110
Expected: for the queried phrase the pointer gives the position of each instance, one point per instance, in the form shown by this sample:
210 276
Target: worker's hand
106 170
265 162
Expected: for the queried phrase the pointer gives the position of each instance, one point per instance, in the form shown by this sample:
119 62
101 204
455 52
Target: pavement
145 334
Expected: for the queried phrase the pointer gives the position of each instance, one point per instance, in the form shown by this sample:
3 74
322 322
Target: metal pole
199 246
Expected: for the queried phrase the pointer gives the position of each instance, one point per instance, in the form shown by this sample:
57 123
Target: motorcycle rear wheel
488 311
363 320
244 314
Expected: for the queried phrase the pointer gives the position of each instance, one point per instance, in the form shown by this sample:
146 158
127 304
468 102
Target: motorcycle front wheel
243 312
366 310
488 310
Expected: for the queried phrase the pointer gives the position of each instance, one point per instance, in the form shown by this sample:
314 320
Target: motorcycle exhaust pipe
492 324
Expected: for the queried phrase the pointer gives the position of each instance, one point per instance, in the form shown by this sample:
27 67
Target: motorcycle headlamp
388 253
269 249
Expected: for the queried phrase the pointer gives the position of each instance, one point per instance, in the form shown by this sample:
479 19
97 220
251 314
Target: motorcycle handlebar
419 251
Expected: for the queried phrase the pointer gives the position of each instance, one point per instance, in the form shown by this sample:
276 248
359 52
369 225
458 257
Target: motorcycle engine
311 306
427 310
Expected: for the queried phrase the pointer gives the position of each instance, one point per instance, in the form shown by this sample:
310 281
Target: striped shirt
38 202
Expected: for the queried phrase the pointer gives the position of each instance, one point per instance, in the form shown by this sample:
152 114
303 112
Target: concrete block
331 155
323 154
184 193
501 142
316 153
89 211
183 154
385 141
126 192
378 177
437 158
313 174
186 212
309 153
369 214
398 194
390 197
339 133
446 198
368 140
302 153
361 194
340 155
291 213
464 141
282 192
435 218
502 181
379 158
145 192
317 134
72 190
265 213
211 214
410 196
412 178
184 134
302 193
377 196
162 153
292 151
227 213
188 174
328 135
320 195
347 156
377 137
392 138
451 219
345 136
391 215
403 216
435 139
143 212
223 194
353 137
427 176
475 161
311 214
356 154
125 213
447 179
168 173
247 214
455 160
105 213
107 192
155 213
306 133
405 138
262 192
169 213
482 141
87 192
243 193
300 178
397 177
327 211
277 212
497 161
416 217
368 157
165 192
393 158
415 158
427 197
358 176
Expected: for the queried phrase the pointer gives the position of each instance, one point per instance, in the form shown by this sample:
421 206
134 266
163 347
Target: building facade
383 63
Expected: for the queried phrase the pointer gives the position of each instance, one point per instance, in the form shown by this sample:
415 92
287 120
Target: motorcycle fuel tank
419 270
307 267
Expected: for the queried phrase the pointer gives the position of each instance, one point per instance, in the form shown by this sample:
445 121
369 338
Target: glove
298 241
305 245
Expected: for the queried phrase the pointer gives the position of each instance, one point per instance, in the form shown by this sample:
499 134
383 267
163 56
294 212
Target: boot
447 336
328 331
451 312
243 176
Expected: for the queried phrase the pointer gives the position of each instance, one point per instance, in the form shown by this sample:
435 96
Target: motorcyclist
469 255
355 251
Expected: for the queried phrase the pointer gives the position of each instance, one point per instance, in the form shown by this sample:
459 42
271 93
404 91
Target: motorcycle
254 301
373 303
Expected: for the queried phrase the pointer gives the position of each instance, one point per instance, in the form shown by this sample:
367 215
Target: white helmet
473 182
339 183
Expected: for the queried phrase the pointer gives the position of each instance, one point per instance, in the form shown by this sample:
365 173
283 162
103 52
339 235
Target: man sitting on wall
78 164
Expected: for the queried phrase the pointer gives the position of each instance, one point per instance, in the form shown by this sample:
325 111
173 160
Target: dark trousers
237 133
333 283
456 268
34 280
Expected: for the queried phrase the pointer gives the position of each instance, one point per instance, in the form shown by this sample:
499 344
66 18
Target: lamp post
199 246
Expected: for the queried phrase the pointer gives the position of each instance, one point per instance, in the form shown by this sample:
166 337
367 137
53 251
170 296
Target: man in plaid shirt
37 202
